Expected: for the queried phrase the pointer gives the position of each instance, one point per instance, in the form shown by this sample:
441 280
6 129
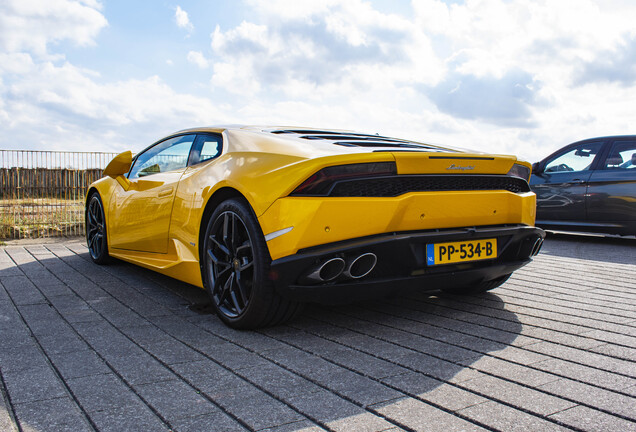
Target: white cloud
182 19
35 24
197 58
84 110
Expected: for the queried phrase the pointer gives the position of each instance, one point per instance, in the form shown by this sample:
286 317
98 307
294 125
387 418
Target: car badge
461 168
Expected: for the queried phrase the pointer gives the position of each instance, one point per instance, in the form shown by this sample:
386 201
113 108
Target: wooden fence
42 193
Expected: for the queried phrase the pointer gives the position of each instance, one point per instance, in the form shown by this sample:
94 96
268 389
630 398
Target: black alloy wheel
230 260
235 264
96 238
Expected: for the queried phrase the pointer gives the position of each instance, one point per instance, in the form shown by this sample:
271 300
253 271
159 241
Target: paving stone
501 417
137 417
418 415
586 418
520 397
22 291
62 343
79 364
261 412
174 399
336 413
587 374
511 371
29 385
51 415
140 368
7 423
101 392
301 426
15 358
213 422
359 389
593 396
277 381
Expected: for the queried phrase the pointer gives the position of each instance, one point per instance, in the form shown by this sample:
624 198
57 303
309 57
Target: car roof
338 137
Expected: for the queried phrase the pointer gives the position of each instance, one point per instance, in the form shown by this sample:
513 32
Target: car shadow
613 249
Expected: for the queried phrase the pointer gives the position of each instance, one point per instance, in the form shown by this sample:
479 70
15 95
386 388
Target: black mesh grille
398 185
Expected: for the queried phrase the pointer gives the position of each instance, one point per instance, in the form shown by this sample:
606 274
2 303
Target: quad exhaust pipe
536 247
332 268
361 266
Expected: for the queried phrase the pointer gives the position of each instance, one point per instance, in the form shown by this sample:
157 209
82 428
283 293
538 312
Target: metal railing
42 192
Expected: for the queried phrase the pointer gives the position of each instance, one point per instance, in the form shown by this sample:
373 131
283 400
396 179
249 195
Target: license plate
461 251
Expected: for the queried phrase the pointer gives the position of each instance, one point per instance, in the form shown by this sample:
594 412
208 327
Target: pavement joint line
561 295
503 358
6 397
417 397
113 370
465 302
592 283
48 360
481 371
518 297
203 394
523 347
514 286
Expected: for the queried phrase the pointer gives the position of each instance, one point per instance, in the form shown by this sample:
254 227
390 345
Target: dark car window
577 158
168 155
206 147
622 155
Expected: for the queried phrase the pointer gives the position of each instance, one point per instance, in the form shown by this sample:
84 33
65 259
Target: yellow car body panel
157 221
317 221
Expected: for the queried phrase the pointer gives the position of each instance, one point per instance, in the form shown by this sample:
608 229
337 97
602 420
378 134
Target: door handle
165 192
576 181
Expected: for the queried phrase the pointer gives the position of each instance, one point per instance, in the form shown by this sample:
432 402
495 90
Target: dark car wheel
96 238
479 288
235 268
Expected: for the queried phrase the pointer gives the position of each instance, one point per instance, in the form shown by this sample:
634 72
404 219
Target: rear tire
235 267
96 236
479 288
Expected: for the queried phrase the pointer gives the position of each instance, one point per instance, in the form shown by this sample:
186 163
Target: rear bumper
401 263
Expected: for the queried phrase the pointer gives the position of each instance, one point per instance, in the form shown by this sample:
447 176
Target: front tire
96 236
235 269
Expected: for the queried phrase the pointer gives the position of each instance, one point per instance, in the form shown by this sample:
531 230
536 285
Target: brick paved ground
84 347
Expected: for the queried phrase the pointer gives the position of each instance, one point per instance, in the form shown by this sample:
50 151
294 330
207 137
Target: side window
622 155
169 155
207 147
579 158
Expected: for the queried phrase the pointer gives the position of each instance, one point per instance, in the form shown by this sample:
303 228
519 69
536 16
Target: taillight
521 171
321 182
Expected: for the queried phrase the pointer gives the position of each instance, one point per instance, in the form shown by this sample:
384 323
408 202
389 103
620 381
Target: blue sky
522 77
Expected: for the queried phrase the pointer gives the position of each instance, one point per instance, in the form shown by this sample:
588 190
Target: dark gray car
588 186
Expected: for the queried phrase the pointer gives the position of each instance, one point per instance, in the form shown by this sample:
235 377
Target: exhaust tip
327 271
361 266
537 247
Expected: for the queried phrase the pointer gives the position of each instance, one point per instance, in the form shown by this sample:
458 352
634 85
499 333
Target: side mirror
536 168
119 166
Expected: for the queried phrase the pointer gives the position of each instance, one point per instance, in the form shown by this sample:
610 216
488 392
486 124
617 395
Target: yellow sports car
266 219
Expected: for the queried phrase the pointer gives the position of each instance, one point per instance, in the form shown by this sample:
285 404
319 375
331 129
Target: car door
140 216
612 187
561 182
